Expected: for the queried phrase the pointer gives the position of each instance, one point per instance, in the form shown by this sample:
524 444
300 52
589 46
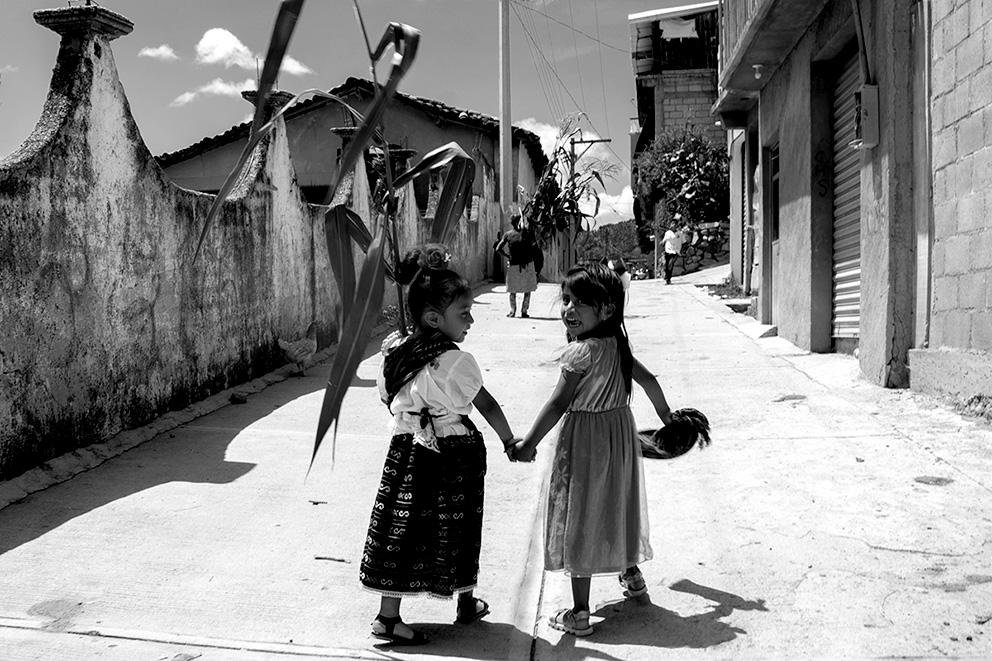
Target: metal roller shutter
847 207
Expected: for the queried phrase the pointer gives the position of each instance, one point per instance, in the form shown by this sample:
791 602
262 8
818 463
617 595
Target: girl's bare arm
652 389
549 416
493 413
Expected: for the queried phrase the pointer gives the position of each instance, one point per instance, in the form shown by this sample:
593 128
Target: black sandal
393 638
480 611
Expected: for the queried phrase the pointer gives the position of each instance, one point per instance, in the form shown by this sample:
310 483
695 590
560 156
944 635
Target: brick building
861 154
674 55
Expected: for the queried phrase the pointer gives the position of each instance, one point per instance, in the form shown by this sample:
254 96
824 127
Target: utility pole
505 127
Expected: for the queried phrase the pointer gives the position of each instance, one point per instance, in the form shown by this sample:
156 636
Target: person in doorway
517 246
672 242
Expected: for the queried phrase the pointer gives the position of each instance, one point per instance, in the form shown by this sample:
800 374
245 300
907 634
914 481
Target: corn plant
361 297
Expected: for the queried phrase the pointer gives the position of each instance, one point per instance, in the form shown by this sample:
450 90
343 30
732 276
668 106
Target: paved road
829 518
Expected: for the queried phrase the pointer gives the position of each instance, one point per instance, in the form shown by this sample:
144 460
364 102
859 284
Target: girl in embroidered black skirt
426 526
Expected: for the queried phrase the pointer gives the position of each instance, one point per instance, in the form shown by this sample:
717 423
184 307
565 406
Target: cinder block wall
688 96
958 360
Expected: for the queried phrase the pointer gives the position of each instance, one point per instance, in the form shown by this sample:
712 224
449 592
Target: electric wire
541 81
575 50
552 88
570 27
602 70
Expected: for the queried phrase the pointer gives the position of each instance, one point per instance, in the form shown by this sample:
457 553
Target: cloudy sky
186 62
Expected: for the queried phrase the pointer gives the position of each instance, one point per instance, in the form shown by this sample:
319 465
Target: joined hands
519 450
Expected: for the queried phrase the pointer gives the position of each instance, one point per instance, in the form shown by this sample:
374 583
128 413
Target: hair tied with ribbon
434 257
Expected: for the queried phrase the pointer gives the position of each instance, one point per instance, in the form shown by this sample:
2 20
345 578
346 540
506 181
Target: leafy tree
687 175
611 241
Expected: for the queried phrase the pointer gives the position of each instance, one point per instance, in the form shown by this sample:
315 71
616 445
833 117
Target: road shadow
638 621
480 640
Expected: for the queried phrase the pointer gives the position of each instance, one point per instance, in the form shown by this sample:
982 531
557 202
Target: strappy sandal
575 623
389 635
633 582
481 610
511 314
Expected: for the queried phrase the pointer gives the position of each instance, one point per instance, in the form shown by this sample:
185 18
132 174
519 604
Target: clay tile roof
485 123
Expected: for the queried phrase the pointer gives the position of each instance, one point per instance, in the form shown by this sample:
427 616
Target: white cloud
216 87
612 208
220 46
163 53
8 68
546 132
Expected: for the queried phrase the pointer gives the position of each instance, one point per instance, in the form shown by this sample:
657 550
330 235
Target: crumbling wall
108 321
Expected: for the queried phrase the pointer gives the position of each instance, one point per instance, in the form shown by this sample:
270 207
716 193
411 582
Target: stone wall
108 321
958 360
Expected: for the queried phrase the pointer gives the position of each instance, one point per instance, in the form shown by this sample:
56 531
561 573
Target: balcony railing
736 15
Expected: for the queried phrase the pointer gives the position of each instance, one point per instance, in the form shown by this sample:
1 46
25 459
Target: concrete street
830 518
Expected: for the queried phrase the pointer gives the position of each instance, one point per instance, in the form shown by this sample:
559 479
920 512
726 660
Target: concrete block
960 20
981 330
979 17
945 293
979 88
982 164
963 170
945 147
943 74
937 258
971 212
971 290
957 255
957 329
971 134
968 56
981 249
945 217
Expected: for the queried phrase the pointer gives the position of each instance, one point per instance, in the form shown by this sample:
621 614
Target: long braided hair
597 285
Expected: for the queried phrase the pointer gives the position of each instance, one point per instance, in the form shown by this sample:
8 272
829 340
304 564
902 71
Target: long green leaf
432 160
282 32
360 233
455 194
405 40
342 261
353 338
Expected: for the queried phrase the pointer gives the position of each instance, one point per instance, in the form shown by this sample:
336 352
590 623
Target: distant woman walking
517 246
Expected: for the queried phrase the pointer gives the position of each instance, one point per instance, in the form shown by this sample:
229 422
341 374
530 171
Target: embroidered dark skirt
426 526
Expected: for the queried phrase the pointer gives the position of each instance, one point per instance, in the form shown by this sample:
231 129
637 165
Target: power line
571 27
553 90
554 72
575 50
537 69
602 71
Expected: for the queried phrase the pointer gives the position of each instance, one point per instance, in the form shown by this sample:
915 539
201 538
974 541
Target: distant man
673 248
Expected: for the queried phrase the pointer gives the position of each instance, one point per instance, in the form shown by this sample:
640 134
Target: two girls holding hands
425 530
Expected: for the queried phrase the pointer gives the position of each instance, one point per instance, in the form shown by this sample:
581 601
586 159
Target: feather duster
688 427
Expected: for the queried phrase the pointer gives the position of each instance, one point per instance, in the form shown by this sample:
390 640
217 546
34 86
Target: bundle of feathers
300 351
688 427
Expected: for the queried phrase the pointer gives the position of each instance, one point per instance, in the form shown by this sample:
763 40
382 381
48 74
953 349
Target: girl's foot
395 631
470 610
633 582
573 622
511 313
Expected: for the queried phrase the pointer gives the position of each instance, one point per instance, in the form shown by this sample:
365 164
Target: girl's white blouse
447 386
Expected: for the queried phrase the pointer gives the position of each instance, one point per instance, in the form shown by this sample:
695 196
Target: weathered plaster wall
784 119
107 320
958 360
